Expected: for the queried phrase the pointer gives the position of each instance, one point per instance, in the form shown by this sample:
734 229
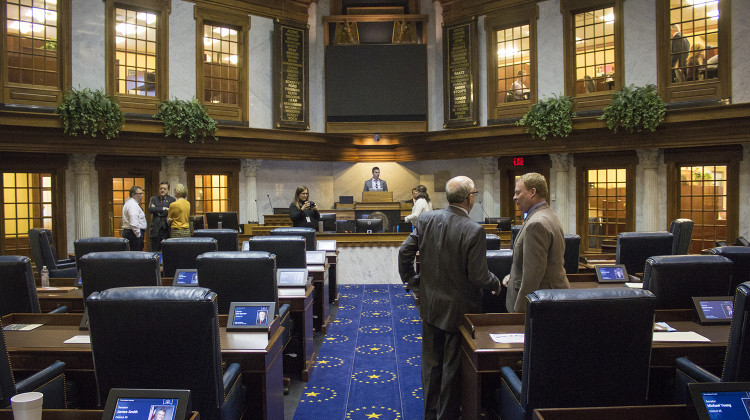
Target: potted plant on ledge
549 117
186 120
90 112
634 109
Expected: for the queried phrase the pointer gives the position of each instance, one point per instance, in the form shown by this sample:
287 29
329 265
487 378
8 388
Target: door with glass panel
28 203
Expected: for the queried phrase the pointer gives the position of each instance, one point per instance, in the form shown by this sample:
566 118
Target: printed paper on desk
680 336
507 338
79 339
634 285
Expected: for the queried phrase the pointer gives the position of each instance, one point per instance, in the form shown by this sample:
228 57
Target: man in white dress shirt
375 183
133 219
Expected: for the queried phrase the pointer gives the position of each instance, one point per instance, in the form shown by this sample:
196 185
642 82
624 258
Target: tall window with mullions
27 204
694 40
135 52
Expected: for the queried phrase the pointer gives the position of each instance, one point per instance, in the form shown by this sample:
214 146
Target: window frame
595 100
526 13
34 95
709 89
211 14
131 103
598 161
229 167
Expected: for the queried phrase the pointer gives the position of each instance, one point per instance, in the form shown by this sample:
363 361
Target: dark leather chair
163 338
504 224
17 287
582 348
289 250
50 381
51 241
682 230
344 226
633 248
498 262
514 231
105 270
99 244
43 254
572 252
182 252
305 232
740 256
493 242
676 279
329 222
737 359
227 239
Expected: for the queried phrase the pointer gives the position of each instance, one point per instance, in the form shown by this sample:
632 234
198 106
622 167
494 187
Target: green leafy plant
634 109
186 120
549 117
90 112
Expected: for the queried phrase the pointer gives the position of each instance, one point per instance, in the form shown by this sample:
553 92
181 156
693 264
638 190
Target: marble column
173 167
83 167
250 170
648 159
489 168
561 163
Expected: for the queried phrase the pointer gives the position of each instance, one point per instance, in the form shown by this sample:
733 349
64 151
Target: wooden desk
649 412
73 299
261 367
73 415
482 358
320 281
333 288
301 307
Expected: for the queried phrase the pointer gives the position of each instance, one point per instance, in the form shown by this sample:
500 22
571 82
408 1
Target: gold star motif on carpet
312 394
373 416
374 376
374 348
323 362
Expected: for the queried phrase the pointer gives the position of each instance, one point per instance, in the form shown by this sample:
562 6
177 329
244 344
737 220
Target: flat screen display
615 273
291 277
146 404
326 245
721 400
222 220
250 316
184 277
315 257
714 309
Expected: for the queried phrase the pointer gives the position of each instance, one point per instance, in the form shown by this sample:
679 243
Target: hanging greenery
90 112
549 117
634 109
186 120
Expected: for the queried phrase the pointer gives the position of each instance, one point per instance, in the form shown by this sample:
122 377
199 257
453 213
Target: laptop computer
720 400
185 277
713 309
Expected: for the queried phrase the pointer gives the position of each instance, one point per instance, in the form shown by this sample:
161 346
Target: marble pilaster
83 167
174 166
648 159
250 170
489 168
561 163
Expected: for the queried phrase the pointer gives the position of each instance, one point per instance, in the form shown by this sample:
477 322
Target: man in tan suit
538 254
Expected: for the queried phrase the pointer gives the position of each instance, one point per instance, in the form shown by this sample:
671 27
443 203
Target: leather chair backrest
241 276
514 231
343 226
17 288
493 242
572 252
105 270
587 347
35 236
49 255
289 250
504 223
676 279
737 362
633 248
740 256
682 229
182 252
226 238
498 262
305 232
160 338
99 244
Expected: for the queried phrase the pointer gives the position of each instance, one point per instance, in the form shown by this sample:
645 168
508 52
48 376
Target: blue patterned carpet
369 362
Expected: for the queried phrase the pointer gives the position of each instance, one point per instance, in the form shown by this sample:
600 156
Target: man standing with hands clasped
375 183
452 251
159 208
539 251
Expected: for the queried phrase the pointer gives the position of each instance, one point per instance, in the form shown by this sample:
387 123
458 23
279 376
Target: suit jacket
538 258
368 185
159 216
453 264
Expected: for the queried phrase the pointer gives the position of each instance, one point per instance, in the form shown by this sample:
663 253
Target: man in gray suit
539 250
452 250
375 183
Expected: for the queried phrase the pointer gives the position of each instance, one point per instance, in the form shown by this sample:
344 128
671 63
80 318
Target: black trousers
441 373
136 244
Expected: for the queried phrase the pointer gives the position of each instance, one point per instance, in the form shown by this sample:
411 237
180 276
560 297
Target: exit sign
518 161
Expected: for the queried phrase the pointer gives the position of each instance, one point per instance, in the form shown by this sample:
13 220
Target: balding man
452 252
538 254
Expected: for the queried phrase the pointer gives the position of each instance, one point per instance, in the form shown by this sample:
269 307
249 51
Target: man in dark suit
158 206
375 183
680 50
452 251
539 250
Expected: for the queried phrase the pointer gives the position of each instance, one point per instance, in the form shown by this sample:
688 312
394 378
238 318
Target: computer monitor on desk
197 222
228 220
369 226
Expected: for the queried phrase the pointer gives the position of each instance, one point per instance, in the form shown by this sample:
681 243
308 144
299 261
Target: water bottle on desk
45 276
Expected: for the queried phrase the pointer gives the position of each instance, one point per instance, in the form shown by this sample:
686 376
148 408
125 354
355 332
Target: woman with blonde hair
423 204
179 213
696 61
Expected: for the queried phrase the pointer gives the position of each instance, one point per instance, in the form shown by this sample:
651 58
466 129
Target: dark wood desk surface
72 415
301 307
480 355
259 357
649 412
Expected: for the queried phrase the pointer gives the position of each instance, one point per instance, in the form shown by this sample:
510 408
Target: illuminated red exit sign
518 161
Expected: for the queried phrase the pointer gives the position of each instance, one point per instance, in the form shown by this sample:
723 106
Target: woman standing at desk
423 204
302 211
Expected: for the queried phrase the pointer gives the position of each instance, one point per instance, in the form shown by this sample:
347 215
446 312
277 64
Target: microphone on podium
269 202
484 211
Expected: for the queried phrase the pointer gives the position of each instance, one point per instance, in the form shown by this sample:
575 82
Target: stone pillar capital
648 158
82 164
250 167
561 161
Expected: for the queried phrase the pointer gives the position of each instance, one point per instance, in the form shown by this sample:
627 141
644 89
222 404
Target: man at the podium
375 183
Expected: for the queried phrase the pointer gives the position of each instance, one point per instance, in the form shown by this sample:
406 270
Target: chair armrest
695 372
63 265
66 261
50 381
231 375
511 379
59 310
